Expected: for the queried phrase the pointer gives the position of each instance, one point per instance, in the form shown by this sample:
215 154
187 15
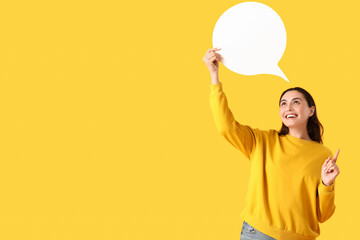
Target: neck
299 133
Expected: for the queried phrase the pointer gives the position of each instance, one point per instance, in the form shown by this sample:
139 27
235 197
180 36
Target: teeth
290 115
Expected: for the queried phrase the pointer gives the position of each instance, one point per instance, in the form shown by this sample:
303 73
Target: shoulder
266 133
259 134
326 151
320 151
322 148
272 133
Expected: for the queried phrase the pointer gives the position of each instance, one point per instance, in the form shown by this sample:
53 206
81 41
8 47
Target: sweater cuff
324 188
216 88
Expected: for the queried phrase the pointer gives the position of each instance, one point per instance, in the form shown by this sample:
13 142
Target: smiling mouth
291 116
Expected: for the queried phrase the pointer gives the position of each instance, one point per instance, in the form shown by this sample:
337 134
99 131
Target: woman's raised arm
242 137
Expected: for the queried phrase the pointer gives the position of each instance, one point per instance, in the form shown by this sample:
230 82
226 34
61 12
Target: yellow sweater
286 197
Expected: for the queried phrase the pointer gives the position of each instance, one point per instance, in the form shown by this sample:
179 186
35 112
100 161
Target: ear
312 110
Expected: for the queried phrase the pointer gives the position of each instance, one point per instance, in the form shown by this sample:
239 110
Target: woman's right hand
212 59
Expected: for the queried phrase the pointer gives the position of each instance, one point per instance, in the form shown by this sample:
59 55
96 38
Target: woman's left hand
330 170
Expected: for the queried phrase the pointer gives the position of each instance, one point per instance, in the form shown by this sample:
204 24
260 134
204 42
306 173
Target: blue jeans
250 233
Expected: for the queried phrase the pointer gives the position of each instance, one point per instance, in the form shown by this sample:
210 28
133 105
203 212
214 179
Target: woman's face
294 103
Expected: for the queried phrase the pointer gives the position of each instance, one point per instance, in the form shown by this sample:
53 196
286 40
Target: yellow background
106 130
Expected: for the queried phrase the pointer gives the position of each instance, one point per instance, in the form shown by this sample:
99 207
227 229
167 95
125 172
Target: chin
289 125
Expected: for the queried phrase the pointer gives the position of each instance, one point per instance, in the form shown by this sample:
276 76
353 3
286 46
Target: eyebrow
292 99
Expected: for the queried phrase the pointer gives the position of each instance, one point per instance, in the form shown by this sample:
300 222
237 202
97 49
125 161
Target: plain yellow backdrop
106 130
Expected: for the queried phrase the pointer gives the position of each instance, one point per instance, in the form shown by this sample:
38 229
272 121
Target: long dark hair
314 127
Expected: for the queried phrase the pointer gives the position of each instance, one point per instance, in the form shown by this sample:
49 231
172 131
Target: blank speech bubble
252 38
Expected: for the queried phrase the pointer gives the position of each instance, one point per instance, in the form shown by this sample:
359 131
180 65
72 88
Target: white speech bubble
252 38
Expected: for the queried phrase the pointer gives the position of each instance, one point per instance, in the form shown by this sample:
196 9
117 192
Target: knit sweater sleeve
325 198
325 201
242 137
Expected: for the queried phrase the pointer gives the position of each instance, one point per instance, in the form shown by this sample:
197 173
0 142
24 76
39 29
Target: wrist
327 184
214 77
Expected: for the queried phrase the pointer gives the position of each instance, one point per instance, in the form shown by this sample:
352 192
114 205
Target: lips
290 114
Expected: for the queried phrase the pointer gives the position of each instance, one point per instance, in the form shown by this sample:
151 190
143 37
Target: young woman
292 176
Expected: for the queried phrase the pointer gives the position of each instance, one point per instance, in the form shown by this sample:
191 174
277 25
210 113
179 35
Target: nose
289 107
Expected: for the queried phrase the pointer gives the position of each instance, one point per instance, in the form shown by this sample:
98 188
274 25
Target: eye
296 101
283 103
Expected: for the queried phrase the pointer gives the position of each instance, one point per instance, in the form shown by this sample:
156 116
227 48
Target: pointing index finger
336 155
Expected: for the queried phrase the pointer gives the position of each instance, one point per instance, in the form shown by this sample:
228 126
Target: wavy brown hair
314 127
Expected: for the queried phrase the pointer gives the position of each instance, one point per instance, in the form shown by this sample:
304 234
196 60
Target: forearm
214 77
240 136
326 202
